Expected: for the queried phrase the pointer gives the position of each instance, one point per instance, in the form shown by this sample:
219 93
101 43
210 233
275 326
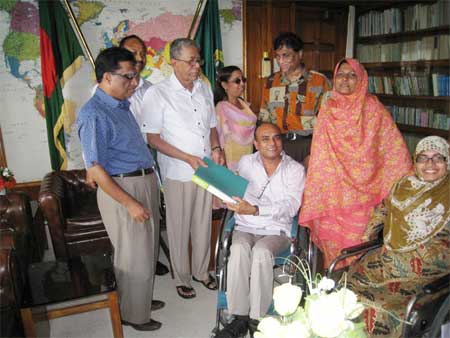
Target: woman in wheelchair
416 238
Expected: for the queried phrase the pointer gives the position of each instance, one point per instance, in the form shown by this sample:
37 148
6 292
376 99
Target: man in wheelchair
263 225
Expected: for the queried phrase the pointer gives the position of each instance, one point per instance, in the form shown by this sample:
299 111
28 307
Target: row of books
411 141
411 18
427 48
420 117
413 83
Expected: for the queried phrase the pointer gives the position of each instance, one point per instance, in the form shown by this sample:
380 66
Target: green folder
220 181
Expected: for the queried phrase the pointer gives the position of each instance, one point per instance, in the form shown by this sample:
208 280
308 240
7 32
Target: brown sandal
185 292
210 283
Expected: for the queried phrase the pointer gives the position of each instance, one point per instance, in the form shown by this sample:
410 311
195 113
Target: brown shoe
157 304
152 325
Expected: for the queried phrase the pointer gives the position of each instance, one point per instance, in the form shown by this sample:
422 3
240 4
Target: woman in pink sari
236 120
357 154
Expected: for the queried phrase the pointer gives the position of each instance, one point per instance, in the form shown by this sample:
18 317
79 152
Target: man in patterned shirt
291 97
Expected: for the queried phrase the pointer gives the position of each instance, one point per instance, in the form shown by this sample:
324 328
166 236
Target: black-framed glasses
129 76
192 63
437 158
238 80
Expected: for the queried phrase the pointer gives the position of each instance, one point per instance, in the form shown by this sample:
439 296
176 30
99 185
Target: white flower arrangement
327 313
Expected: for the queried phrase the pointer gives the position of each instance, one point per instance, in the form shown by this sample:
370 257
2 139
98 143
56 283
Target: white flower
350 303
286 298
258 334
269 327
326 284
295 329
326 315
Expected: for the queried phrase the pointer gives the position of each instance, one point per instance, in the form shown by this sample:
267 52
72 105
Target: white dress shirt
278 197
136 102
183 119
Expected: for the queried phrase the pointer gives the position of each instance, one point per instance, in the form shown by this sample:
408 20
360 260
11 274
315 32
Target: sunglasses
238 80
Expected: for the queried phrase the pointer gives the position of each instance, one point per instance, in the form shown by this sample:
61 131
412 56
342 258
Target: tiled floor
181 318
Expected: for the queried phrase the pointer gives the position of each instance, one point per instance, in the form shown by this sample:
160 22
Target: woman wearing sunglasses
236 121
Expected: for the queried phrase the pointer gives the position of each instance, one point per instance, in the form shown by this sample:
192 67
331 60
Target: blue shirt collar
111 101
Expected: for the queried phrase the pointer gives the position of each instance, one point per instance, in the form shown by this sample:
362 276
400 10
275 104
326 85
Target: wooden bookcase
401 51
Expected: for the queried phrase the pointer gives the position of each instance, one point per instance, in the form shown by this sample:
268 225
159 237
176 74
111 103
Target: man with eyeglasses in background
263 227
292 96
117 159
136 45
180 122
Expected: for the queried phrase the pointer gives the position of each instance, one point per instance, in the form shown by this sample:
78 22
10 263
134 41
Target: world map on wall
103 24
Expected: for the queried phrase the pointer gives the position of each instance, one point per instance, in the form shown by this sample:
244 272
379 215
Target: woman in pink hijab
357 154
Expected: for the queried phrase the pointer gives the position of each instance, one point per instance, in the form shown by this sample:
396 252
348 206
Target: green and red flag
209 39
61 57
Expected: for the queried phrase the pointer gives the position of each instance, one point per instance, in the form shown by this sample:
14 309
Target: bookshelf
405 49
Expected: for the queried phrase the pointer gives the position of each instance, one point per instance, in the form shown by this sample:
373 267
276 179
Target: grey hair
178 44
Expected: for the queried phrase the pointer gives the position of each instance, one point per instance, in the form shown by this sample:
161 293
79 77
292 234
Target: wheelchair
282 261
426 312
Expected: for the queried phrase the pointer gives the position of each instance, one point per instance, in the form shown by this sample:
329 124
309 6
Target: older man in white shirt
263 226
180 120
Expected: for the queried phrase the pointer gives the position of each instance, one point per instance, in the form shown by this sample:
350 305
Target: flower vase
3 191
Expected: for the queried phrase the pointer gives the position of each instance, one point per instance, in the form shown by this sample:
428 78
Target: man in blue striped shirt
117 159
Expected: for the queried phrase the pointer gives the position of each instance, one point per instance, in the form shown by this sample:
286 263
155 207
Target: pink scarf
357 154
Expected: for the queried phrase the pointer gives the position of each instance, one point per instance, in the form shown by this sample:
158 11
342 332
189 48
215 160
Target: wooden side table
75 279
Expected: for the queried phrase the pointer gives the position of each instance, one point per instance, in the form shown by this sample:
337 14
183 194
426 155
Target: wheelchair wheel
442 317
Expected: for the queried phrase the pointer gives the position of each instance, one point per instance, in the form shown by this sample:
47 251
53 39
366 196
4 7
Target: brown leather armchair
16 217
70 209
17 250
11 290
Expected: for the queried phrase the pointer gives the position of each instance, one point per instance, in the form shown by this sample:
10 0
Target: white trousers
250 272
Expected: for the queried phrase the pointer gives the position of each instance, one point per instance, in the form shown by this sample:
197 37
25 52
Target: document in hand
220 181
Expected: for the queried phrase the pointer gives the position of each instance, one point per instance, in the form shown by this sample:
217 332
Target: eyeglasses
348 76
284 56
436 159
238 80
192 63
128 77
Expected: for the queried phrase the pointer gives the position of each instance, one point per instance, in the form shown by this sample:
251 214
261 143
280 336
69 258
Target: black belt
139 172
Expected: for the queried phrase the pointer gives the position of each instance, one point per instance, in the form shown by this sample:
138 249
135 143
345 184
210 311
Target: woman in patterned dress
416 217
357 154
236 121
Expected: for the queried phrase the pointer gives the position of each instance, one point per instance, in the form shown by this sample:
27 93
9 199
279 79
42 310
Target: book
220 181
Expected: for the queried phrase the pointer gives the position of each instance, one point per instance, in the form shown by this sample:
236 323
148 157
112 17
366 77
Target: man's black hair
131 37
108 61
288 40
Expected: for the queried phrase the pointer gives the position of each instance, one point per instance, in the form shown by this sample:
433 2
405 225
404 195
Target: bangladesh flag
61 57
209 39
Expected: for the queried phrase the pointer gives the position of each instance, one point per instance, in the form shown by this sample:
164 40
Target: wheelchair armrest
294 228
361 248
437 285
353 251
229 225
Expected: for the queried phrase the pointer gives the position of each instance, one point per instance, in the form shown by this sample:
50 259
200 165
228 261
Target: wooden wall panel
257 42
